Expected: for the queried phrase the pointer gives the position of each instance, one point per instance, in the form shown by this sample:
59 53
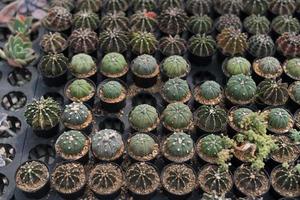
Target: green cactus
43 114
112 90
176 90
114 21
285 23
144 66
295 136
256 24
282 7
68 4
175 66
86 19
57 19
236 116
258 7
83 40
199 7
202 45
279 120
287 150
208 93
268 67
143 21
53 65
228 20
237 65
113 65
113 41
294 92
228 6
20 25
82 65
76 116
149 5
288 44
53 43
170 45
143 43
116 5
200 24
292 68
164 4
80 89
261 46
92 5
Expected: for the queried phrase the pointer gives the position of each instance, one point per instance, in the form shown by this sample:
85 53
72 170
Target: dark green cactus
287 150
68 4
53 43
288 44
294 92
165 4
82 65
175 66
258 7
228 6
116 5
83 41
176 90
202 45
144 66
256 24
170 45
143 43
282 7
200 24
57 19
292 68
112 91
199 7
53 65
279 120
113 65
149 5
92 5
208 93
86 19
80 90
76 116
236 117
228 20
143 21
113 41
237 65
285 23
261 46
114 20
268 67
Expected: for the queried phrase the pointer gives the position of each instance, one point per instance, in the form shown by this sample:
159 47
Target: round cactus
43 114
287 150
228 20
149 5
268 67
80 90
229 6
261 46
292 68
165 4
176 90
170 45
272 92
53 65
258 7
240 89
92 5
175 66
112 91
107 145
57 19
294 92
113 65
208 93
202 45
143 118
172 21
211 118
200 24
53 43
143 43
282 7
199 7
114 21
285 23
177 117
82 65
68 4
83 41
116 5
144 66
143 21
86 19
237 65
289 44
256 24
232 41
279 120
113 41
236 116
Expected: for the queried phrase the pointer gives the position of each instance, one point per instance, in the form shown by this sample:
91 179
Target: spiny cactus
43 114
287 150
199 7
228 20
292 68
92 5
114 20
107 145
143 21
68 4
80 90
86 19
258 7
170 45
208 93
53 65
20 25
200 24
82 65
232 41
256 24
282 7
144 66
176 90
83 41
53 43
149 5
229 6
143 118
236 117
116 5
279 120
261 46
237 65
285 23
143 43
289 44
165 4
294 92
202 45
172 21
175 66
113 41
58 19
268 67
112 91
113 65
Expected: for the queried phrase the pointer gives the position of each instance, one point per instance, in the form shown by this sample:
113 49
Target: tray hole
3 184
144 98
112 123
14 101
19 77
4 34
203 76
56 96
7 154
13 124
42 152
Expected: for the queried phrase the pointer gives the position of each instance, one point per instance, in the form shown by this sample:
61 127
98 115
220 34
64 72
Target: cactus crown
210 90
285 23
261 46
92 5
202 45
200 24
165 4
68 4
75 114
268 67
116 5
43 114
71 142
58 19
170 45
82 64
176 90
175 66
114 20
279 119
179 144
229 6
143 21
144 65
144 5
282 7
238 65
256 24
112 90
86 19
53 65
257 7
199 7
80 88
113 41
143 43
113 65
289 44
53 43
292 68
238 116
141 145
83 40
228 20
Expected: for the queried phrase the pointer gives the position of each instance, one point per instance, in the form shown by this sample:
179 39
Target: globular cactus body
86 19
268 67
229 6
116 5
113 41
237 65
279 120
228 20
165 4
236 117
144 66
149 5
53 65
114 21
282 7
53 43
113 65
199 7
92 5
202 45
80 90
292 68
208 93
261 46
82 65
83 41
255 6
285 23
170 45
143 21
111 91
289 44
176 90
175 66
143 43
256 24
200 24
58 19
172 21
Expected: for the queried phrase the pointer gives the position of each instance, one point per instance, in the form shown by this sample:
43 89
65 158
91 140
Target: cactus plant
282 7
258 7
82 65
53 65
202 45
68 4
237 65
116 5
144 66
172 21
240 89
113 41
83 41
289 44
58 19
143 118
229 6
80 90
142 178
92 5
199 7
20 25
268 67
292 68
207 196
279 120
176 90
113 65
261 46
256 24
200 24
294 92
143 43
170 45
175 66
143 21
232 42
114 20
112 92
228 20
165 4
53 43
86 19
285 23
208 93
107 145
149 5
287 150
236 116
177 117
43 114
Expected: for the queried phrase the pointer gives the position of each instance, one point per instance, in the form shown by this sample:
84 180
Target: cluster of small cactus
208 93
237 65
176 90
282 7
53 65
53 43
58 19
228 21
268 67
279 120
113 41
202 45
228 6
92 5
144 66
261 46
80 90
83 40
200 24
143 21
289 44
256 24
175 66
285 23
116 5
143 43
86 19
82 65
114 20
257 7
292 68
172 45
199 7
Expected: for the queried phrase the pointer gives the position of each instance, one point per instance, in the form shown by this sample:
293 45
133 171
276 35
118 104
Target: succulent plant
285 23
256 24
279 120
289 44
172 21
258 7
292 68
175 66
113 65
294 92
199 7
82 65
261 46
143 118
282 7
113 41
43 114
200 24
92 5
58 19
236 117
176 90
53 65
202 45
268 67
165 4
68 178
20 25
237 65
107 145
68 4
272 92
115 20
18 52
287 150
83 41
86 19
143 43
53 43
143 21
149 5
240 89
228 20
80 90
208 93
211 118
112 91
177 117
144 66
170 45
116 5
232 41
229 6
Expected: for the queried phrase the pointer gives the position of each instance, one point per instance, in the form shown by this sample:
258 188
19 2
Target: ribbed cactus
229 6
76 116
172 45
107 145
228 20
232 42
240 89
53 65
113 65
202 45
208 93
172 21
279 120
82 65
286 151
116 5
258 7
114 20
80 90
143 43
200 24
268 67
261 46
143 118
149 5
53 43
272 92
92 5
237 65
83 41
199 7
113 41
165 4
57 19
112 91
176 90
68 4
86 19
144 66
143 21
43 114
285 23
211 118
256 24
68 178
292 68
175 66
294 92
236 117
282 7
289 44
177 117
207 196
